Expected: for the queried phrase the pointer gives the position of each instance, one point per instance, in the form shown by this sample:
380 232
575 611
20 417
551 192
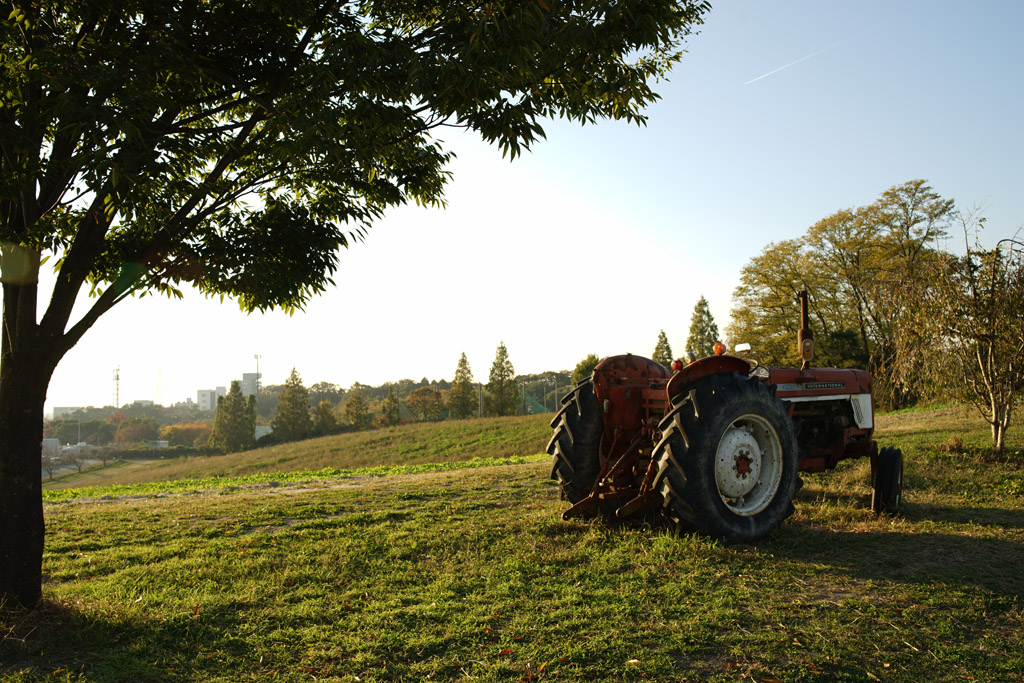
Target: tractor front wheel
575 447
727 459
887 492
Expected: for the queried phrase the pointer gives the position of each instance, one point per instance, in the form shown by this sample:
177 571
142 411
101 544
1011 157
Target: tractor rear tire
575 447
887 492
727 459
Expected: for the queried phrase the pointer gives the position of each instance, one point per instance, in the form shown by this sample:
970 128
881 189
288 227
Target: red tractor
715 445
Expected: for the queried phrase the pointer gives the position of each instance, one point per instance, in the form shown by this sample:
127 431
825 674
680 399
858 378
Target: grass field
471 574
413 444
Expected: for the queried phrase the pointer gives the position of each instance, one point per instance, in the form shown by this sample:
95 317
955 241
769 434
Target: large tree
971 311
236 146
703 333
324 421
425 403
859 266
462 398
293 421
390 409
234 428
501 398
357 410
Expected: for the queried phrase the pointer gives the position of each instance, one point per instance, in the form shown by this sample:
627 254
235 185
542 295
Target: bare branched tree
973 311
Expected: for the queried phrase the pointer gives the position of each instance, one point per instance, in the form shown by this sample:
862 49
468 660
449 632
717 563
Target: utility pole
117 387
257 357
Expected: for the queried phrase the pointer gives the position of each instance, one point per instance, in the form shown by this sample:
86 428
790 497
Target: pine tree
390 412
293 422
324 421
462 399
703 331
357 411
662 351
501 386
234 428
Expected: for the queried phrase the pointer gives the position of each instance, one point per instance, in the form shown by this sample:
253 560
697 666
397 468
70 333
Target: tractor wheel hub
738 463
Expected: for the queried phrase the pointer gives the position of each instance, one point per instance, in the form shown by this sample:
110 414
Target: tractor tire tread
691 430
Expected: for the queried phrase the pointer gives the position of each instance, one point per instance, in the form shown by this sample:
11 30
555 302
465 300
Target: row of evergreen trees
296 418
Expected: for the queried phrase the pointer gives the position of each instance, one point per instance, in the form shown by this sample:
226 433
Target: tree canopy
293 421
390 414
585 368
234 428
425 403
357 411
858 266
324 420
236 146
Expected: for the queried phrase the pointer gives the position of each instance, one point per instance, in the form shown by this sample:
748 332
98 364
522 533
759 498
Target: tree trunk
1000 423
23 382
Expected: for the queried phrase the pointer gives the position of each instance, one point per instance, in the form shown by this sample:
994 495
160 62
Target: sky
780 114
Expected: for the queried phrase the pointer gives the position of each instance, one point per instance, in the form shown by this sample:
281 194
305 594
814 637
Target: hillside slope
410 444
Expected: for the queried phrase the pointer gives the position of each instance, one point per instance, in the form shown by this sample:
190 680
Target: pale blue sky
781 114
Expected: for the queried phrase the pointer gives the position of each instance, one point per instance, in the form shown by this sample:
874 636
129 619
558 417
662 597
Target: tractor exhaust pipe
805 337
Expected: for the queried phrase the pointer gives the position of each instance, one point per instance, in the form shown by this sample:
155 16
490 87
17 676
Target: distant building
79 447
51 447
65 411
251 384
263 430
142 404
207 398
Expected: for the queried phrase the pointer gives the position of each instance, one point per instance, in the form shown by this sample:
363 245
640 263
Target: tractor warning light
719 348
677 365
807 349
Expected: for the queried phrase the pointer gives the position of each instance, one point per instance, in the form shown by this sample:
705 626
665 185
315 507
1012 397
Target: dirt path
98 476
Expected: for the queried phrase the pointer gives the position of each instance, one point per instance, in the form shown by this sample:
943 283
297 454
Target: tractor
714 445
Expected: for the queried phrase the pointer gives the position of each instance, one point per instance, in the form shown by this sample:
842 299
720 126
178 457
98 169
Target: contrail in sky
806 57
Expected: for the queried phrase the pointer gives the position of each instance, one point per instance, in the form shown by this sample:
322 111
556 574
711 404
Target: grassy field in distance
472 574
412 444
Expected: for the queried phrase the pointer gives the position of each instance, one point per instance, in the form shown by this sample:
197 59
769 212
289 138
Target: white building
250 384
59 411
207 398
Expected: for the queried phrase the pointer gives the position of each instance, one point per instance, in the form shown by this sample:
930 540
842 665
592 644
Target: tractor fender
699 369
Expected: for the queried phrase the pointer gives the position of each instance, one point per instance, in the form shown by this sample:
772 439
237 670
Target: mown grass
471 574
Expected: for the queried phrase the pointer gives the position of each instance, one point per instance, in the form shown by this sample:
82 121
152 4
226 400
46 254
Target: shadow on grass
957 560
59 640
985 516
916 512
